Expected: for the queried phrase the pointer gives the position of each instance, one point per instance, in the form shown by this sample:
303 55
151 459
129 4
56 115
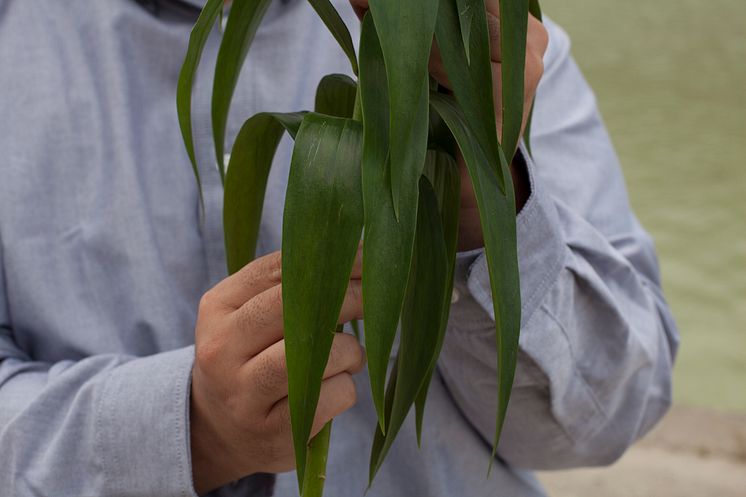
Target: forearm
106 425
597 342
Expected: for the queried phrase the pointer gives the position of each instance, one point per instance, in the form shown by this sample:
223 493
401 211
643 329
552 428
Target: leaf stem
315 474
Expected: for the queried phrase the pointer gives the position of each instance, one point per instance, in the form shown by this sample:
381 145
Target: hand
470 230
240 421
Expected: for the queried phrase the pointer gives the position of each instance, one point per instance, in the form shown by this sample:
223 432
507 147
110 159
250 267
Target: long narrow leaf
246 183
421 317
406 32
337 28
513 31
197 39
387 250
471 82
466 16
335 95
442 171
322 224
497 215
243 22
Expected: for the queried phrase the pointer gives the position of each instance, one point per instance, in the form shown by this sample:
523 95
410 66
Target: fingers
493 26
337 395
259 323
360 7
536 45
538 37
266 374
257 276
254 278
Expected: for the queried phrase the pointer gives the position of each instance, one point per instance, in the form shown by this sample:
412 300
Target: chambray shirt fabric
104 261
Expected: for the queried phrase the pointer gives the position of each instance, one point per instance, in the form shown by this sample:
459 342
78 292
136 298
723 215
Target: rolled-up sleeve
597 338
103 426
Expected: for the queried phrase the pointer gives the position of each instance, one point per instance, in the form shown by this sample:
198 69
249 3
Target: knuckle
355 297
248 316
493 26
279 422
348 351
543 36
268 374
275 297
356 292
208 303
271 265
348 397
208 353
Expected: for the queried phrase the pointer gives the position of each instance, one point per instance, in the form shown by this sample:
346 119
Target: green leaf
246 182
471 82
337 28
535 10
420 321
466 16
406 35
497 216
197 40
322 224
513 32
442 172
314 475
387 249
335 95
243 21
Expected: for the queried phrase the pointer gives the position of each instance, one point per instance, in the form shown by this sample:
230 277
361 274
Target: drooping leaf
442 172
535 10
471 82
379 439
337 28
243 21
513 31
335 95
322 224
197 39
420 320
405 30
246 182
387 249
497 216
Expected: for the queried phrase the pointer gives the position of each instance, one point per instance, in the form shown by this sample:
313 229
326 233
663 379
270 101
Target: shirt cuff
143 426
541 251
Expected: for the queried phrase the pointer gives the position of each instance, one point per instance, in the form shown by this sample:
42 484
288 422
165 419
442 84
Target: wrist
212 467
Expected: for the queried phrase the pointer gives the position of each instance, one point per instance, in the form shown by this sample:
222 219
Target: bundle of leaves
376 157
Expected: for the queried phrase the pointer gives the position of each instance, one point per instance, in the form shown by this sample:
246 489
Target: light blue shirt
104 262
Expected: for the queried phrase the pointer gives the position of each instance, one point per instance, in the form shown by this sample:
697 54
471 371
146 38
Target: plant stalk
317 454
315 474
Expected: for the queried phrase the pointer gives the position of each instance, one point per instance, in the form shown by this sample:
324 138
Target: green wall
670 77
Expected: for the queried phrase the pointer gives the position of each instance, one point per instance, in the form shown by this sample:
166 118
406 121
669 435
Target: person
130 365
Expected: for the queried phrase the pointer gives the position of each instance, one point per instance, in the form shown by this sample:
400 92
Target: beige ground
693 453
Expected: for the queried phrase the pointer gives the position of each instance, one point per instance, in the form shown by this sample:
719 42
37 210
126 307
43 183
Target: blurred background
670 77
